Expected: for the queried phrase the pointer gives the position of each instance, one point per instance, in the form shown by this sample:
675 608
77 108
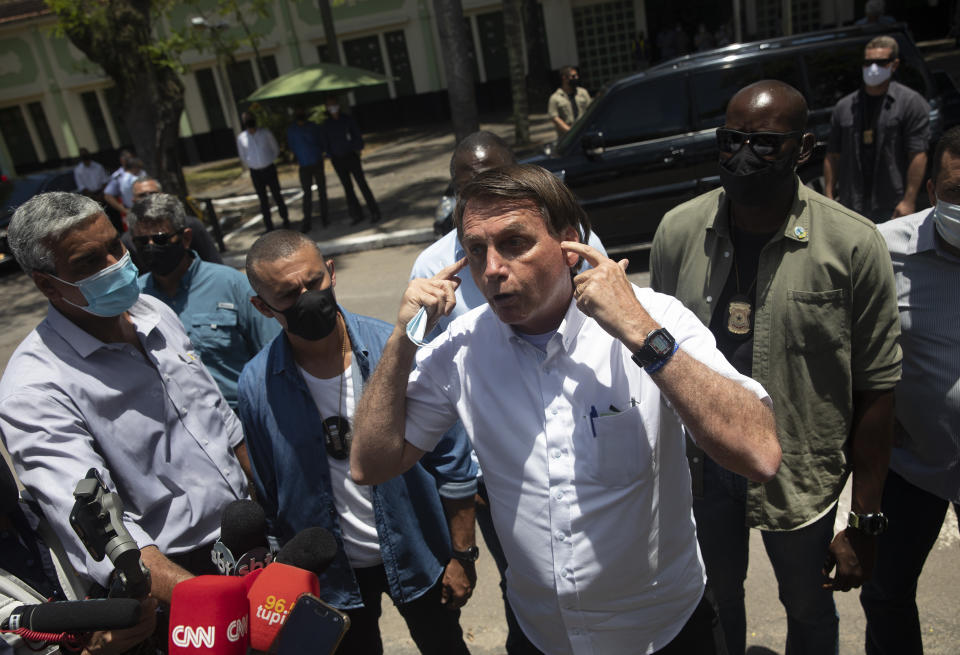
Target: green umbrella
309 84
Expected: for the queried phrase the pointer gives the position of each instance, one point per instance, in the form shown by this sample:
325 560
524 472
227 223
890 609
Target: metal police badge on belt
739 316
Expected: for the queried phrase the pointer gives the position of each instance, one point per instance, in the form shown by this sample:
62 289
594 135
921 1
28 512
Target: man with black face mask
212 300
799 293
297 398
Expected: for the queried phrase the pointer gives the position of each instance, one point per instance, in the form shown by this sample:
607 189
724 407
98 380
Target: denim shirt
284 437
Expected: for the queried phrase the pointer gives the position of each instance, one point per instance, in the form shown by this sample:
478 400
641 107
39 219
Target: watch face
660 343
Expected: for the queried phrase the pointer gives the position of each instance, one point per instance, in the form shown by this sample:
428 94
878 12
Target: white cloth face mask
875 74
946 218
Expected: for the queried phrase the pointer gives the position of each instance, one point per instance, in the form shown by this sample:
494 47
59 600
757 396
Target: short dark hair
949 142
566 70
274 245
522 184
884 41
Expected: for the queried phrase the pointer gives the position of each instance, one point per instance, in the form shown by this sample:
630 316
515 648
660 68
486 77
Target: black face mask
250 124
161 260
313 316
750 180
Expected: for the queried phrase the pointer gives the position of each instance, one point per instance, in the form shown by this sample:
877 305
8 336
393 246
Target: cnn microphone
242 546
312 549
272 596
209 614
75 616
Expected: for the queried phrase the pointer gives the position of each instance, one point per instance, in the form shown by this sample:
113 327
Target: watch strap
471 554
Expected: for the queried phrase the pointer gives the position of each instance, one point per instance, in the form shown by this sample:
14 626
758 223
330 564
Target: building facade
53 101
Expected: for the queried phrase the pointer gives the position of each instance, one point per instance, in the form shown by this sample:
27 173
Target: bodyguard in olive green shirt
799 292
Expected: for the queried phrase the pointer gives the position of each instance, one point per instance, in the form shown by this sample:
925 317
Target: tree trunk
457 66
113 34
513 35
329 32
539 82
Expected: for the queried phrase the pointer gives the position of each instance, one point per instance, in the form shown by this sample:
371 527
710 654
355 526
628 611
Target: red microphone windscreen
271 598
209 614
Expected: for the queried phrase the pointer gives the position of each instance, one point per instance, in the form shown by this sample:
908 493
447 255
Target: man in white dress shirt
89 176
575 391
257 149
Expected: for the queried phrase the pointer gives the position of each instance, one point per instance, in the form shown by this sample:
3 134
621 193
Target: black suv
648 143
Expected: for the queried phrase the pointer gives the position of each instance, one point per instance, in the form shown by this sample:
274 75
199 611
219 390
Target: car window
786 69
647 109
62 182
837 71
713 88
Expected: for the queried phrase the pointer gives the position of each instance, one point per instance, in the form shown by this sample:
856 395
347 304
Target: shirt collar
568 330
796 226
145 319
151 282
286 364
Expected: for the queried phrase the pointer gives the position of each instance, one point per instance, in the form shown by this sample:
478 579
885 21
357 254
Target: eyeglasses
159 239
886 61
763 144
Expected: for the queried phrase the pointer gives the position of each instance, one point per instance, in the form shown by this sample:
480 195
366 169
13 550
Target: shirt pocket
817 321
620 449
213 331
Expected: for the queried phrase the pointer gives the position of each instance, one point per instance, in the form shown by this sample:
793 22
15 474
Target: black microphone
312 549
242 546
75 616
97 518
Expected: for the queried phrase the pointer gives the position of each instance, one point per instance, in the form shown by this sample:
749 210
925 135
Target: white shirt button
709 298
565 572
559 494
554 412
206 442
560 536
726 253
556 453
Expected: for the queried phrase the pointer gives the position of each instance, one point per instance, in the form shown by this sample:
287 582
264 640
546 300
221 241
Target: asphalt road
371 283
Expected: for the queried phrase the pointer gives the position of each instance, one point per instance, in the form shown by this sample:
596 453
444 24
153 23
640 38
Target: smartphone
311 627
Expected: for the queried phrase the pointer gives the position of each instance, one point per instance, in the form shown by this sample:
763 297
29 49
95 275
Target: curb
347 245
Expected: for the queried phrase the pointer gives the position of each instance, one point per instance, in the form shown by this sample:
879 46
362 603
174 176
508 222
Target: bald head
274 245
768 102
478 152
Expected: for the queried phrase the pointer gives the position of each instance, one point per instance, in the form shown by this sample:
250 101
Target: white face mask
946 218
875 74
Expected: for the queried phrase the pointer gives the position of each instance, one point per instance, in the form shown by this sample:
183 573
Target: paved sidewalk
407 170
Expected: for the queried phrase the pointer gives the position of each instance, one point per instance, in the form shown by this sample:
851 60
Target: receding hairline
274 246
496 146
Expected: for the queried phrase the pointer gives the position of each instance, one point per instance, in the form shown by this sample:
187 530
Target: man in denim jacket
296 401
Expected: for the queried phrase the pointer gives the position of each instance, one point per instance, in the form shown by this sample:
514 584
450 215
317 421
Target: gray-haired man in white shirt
575 391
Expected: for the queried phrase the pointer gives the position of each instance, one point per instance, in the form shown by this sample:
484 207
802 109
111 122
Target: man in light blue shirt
212 300
109 381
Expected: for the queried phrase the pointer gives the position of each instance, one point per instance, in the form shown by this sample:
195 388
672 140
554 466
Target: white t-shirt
354 502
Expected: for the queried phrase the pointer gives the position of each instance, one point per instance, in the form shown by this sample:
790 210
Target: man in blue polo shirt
305 139
212 300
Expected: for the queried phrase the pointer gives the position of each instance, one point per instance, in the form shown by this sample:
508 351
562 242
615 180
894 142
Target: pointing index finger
449 272
588 252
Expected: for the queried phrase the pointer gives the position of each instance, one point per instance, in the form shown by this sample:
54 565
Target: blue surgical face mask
946 218
109 292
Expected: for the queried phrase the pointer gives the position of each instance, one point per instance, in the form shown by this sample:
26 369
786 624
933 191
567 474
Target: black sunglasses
160 238
879 62
763 144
